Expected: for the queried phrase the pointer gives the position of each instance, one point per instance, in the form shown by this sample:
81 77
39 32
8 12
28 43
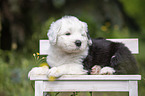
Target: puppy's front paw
107 71
54 72
95 70
38 71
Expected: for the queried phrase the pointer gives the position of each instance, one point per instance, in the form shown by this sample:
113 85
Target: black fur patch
106 53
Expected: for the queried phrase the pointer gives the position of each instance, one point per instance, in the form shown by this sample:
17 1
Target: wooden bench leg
133 88
38 88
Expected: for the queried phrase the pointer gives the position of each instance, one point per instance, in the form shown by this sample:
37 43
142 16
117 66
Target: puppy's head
69 34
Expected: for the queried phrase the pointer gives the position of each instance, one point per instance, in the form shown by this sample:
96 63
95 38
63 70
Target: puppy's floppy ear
89 39
53 31
85 26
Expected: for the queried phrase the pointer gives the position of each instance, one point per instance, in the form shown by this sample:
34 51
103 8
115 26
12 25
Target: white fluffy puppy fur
68 46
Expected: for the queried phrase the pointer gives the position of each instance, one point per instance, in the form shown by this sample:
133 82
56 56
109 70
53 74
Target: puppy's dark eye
67 34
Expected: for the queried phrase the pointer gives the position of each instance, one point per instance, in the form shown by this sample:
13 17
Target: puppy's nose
78 43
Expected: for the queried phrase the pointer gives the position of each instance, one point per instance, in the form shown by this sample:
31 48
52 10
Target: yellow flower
37 53
44 65
51 78
34 54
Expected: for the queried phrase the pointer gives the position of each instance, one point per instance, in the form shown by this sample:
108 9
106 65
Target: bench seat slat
89 77
132 44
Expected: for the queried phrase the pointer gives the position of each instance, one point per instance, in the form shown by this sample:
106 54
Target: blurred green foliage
15 65
135 8
13 71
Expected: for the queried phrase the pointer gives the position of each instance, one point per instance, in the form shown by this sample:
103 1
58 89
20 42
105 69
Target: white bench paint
107 83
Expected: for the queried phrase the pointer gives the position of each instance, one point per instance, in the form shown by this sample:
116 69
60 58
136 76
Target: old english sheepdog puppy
72 51
69 46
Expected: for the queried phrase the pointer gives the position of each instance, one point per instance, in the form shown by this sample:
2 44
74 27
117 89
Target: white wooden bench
94 83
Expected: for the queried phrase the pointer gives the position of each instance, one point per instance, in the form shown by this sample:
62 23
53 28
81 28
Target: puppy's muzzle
78 43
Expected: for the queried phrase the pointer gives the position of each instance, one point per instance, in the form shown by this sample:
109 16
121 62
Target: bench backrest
132 44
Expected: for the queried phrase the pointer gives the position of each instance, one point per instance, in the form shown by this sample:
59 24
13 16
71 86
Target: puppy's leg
107 71
66 69
95 70
38 71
